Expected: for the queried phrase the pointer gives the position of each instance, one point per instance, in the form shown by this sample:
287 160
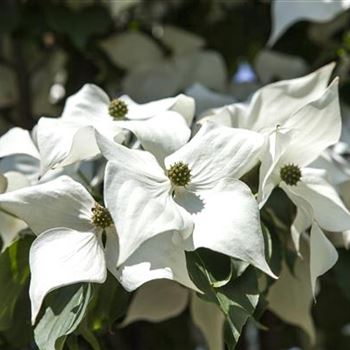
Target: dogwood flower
300 118
70 138
291 147
69 249
195 192
69 225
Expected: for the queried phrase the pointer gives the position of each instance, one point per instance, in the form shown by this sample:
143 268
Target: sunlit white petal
61 256
157 258
227 220
61 202
217 152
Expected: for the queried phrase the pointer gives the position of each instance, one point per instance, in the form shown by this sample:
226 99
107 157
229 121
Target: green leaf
219 267
109 304
237 299
21 323
14 273
65 309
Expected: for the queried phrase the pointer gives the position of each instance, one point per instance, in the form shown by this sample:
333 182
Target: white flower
197 194
58 142
291 147
300 118
286 13
71 137
69 225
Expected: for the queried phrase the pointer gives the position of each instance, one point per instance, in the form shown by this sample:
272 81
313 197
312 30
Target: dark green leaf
109 304
14 273
237 299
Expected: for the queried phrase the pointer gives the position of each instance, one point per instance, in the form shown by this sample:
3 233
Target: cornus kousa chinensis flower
70 138
69 225
290 149
299 118
194 199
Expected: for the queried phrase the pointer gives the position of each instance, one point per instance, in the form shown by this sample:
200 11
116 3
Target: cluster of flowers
165 192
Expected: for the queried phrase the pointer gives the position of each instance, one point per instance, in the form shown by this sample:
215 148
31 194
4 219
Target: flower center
101 216
179 174
290 174
118 109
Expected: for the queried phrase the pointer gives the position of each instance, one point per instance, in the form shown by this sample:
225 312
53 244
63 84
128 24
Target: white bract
274 103
10 224
194 199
